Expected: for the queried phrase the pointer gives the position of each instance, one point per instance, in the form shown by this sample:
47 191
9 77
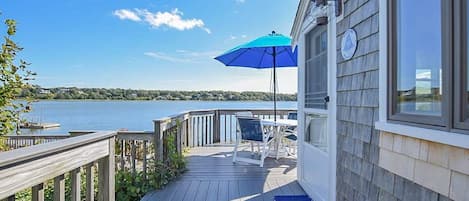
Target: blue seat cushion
292 198
292 137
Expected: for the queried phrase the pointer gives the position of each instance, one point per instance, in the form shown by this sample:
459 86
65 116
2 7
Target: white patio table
278 151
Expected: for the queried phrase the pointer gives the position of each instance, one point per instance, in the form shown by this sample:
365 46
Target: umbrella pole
274 54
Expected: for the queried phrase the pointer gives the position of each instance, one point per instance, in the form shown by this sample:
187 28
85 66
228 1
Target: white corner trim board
438 136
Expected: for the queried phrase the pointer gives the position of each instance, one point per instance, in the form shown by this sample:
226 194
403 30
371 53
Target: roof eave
297 23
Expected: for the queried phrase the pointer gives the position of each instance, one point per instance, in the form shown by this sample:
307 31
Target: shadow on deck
211 175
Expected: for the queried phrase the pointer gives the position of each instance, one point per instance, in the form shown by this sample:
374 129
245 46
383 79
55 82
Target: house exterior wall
373 165
439 167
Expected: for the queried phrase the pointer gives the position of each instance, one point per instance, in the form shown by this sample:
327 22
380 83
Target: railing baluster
122 154
133 153
38 192
231 128
225 127
198 131
75 181
145 159
206 130
89 182
59 188
210 128
11 198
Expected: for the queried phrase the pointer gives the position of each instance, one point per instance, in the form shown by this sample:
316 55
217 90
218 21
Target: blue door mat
292 198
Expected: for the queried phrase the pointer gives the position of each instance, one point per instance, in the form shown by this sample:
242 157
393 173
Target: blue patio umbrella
270 51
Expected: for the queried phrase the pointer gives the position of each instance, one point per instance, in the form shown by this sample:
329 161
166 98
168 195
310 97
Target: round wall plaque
349 44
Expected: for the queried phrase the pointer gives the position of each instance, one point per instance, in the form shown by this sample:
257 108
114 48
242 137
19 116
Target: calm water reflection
112 115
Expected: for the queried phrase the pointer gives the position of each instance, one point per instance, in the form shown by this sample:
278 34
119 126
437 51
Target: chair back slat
250 128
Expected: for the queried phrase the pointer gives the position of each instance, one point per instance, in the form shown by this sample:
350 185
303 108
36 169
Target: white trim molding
383 60
444 137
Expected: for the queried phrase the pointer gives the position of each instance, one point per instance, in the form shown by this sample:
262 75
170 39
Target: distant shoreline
73 93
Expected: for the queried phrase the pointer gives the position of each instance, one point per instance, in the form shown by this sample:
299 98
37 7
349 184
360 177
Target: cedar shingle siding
358 175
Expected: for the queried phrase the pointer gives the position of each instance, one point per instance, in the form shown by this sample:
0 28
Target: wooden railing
205 127
31 167
18 141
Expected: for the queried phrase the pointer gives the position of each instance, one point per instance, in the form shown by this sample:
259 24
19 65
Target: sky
158 44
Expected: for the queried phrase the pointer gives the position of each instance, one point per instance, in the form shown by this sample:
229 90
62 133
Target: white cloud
233 37
125 14
240 1
165 57
173 19
184 56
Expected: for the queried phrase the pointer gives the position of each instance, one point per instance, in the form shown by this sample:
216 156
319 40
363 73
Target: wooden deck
211 176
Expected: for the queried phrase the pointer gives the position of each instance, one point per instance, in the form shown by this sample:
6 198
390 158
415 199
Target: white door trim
331 112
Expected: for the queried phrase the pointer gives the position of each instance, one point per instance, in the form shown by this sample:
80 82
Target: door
317 171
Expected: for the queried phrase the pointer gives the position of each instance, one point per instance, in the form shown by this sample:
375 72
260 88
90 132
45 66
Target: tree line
74 93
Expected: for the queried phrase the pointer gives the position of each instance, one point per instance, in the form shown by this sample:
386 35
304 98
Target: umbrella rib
239 55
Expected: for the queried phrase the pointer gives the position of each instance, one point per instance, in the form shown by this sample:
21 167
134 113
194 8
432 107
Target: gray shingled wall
358 175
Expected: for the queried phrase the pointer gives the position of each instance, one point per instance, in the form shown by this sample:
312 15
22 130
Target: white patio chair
250 129
247 114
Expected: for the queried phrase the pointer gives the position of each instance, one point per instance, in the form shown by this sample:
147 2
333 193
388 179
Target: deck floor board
211 175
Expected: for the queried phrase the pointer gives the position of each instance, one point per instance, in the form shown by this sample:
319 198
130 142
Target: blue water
131 115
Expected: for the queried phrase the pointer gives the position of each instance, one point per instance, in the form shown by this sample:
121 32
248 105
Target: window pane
316 131
316 68
419 53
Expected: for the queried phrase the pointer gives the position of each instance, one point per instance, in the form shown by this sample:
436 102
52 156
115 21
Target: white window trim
444 137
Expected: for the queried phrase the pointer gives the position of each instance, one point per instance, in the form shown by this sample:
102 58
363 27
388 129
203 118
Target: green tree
14 77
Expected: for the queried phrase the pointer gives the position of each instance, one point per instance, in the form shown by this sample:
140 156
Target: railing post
158 144
106 175
190 140
216 126
179 137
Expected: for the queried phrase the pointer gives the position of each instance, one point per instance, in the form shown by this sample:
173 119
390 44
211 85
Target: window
427 63
316 68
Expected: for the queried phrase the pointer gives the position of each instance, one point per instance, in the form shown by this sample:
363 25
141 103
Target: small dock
32 125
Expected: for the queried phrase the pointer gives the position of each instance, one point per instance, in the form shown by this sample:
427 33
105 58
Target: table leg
279 140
